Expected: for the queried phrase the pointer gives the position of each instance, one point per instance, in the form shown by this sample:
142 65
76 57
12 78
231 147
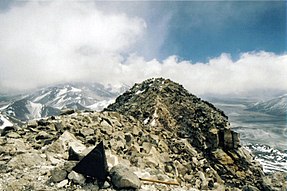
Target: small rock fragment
62 183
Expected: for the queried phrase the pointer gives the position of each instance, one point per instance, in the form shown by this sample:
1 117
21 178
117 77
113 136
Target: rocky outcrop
164 106
157 131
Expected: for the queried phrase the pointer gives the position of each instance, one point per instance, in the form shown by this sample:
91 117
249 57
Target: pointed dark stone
94 165
73 155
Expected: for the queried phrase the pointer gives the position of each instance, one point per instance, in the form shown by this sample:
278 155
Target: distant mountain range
51 100
276 106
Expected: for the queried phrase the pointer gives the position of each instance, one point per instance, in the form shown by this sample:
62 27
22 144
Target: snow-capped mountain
51 100
276 106
24 109
76 96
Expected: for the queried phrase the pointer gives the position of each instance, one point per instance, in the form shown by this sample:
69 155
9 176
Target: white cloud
42 43
49 42
253 72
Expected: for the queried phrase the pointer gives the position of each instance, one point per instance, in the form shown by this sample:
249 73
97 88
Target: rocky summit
156 136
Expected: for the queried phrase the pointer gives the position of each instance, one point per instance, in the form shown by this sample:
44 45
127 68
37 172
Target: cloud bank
53 42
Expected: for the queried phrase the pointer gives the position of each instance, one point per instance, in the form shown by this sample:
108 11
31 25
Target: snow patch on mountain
4 122
276 106
99 106
34 109
37 99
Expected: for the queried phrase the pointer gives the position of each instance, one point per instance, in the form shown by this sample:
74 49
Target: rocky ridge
156 131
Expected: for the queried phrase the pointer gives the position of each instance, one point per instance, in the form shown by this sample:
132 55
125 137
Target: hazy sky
211 47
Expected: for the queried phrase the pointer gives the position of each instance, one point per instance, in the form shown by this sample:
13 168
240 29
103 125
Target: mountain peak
166 109
157 85
165 105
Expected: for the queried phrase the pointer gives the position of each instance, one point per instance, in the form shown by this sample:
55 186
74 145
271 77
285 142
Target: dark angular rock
43 122
73 155
94 165
6 130
235 139
212 139
228 142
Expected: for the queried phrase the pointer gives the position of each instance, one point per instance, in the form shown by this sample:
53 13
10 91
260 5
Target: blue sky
201 30
211 47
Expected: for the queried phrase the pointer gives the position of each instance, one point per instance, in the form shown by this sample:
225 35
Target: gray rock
58 174
67 112
13 135
90 187
235 139
122 177
26 160
249 188
69 165
32 123
42 135
87 131
77 178
228 142
64 142
222 157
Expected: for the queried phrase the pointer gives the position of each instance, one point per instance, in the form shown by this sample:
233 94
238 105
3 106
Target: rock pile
156 131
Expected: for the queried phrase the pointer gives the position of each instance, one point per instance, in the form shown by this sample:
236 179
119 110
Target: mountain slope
160 132
276 106
164 106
